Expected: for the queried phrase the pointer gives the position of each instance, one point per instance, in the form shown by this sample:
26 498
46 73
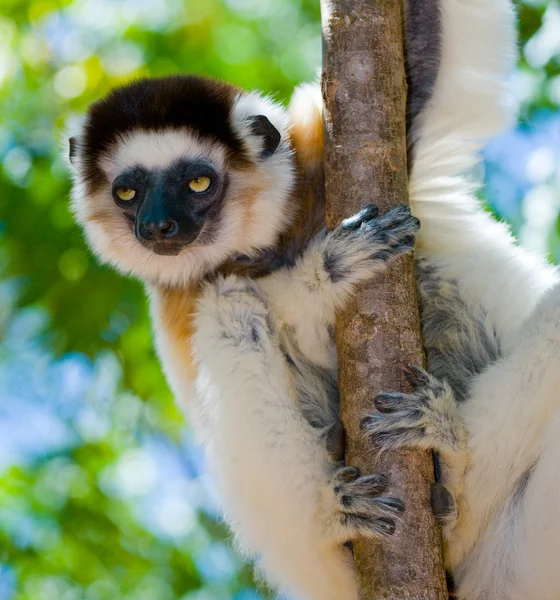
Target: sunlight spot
136 473
70 82
17 163
175 516
541 165
122 58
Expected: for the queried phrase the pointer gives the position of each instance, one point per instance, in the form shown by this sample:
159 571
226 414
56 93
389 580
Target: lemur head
173 176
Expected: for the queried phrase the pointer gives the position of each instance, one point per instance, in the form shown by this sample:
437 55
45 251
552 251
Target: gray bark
364 91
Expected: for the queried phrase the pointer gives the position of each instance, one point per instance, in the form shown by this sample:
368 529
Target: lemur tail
470 103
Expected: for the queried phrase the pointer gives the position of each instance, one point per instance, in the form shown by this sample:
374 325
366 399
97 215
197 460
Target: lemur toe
443 504
366 527
416 376
425 417
335 441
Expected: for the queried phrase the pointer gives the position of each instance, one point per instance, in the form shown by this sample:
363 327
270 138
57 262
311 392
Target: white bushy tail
470 103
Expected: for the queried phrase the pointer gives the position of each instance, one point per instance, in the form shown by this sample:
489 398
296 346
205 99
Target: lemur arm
305 297
283 498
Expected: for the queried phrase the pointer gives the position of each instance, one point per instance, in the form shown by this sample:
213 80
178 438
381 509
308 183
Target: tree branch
364 92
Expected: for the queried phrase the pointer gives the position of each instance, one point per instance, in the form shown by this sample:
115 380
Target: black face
169 207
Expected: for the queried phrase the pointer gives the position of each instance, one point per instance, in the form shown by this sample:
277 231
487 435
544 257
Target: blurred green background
102 492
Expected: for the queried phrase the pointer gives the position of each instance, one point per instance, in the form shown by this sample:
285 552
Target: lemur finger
366 486
372 507
368 505
346 474
367 213
367 527
390 402
390 420
395 437
416 376
398 216
391 504
421 380
390 250
335 441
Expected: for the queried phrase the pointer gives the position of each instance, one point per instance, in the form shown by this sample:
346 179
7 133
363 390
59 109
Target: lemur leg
512 410
306 296
505 416
269 462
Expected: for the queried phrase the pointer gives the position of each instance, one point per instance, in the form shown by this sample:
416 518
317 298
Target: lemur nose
158 230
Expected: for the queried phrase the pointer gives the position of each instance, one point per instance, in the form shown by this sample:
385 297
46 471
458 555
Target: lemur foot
361 509
428 418
364 243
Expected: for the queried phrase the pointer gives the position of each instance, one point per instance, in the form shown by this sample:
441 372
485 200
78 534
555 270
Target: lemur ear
73 150
262 127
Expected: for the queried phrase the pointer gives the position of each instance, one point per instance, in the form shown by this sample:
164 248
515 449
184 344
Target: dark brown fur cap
178 102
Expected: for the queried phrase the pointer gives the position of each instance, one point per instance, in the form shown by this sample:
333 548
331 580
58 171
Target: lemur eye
125 194
200 184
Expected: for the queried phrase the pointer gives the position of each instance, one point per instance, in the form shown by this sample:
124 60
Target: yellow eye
200 184
126 194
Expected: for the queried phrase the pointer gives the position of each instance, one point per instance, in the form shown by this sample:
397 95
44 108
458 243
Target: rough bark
364 92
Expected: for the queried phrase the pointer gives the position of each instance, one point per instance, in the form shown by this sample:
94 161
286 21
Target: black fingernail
387 402
387 526
372 210
443 503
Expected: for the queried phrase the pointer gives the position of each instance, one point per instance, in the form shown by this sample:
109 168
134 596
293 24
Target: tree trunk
364 91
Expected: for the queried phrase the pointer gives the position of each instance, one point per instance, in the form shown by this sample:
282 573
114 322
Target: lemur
183 181
178 180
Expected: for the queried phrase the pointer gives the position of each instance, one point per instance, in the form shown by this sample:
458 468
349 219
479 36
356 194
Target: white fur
471 103
158 150
510 540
